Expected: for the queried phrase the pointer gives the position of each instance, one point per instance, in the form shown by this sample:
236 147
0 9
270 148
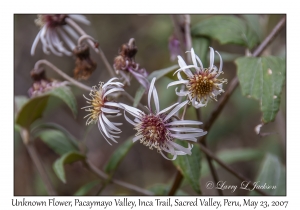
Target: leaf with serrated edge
118 155
58 165
190 166
227 29
272 173
262 79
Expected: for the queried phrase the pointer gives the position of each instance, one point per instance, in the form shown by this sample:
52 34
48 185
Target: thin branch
37 161
103 175
61 73
221 163
98 51
176 184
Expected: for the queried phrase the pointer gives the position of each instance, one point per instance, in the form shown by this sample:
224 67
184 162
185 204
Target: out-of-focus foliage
262 78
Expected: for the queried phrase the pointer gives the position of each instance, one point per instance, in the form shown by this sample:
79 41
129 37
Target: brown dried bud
38 75
119 63
84 64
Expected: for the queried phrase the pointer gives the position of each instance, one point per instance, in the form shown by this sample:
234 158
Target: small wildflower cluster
41 84
125 63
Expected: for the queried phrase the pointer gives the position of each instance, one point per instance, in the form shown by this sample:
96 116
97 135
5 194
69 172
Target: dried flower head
101 107
125 64
201 84
159 129
55 26
42 84
84 64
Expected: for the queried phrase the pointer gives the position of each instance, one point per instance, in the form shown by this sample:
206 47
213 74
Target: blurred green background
232 135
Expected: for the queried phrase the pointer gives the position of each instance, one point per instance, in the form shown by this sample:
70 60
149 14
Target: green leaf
253 22
19 102
118 156
57 141
272 173
66 95
58 165
158 74
162 189
34 108
262 79
55 126
232 156
86 188
227 29
190 166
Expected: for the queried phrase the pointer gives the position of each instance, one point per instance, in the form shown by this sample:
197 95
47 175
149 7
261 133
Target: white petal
221 63
80 18
167 109
156 100
129 120
110 111
185 129
179 106
150 92
181 148
113 104
174 157
66 38
35 42
71 31
112 90
109 124
177 83
137 138
211 58
185 122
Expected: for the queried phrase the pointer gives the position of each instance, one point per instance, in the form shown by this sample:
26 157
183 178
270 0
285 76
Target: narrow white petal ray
221 63
113 104
184 137
179 76
129 120
112 90
189 135
199 61
181 93
167 109
177 83
136 112
50 45
99 127
193 57
137 138
150 92
181 148
174 157
80 18
185 122
44 41
71 32
211 58
109 124
59 44
184 67
109 81
156 100
35 42
179 106
185 129
105 130
109 111
66 39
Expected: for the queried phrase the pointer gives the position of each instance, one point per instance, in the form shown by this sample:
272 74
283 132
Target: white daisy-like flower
56 26
159 128
101 107
202 83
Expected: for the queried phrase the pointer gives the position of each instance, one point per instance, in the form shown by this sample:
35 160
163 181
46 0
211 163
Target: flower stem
36 160
103 175
61 73
176 183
